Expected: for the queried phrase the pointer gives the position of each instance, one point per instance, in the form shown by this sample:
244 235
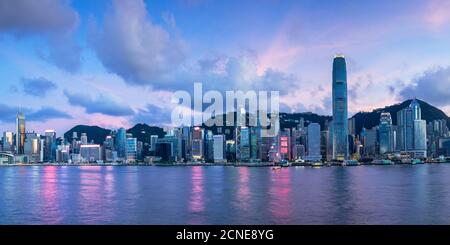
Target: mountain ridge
142 131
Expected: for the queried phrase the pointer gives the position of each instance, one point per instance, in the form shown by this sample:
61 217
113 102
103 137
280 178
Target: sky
117 63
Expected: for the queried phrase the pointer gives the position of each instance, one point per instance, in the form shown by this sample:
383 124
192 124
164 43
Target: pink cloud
281 51
437 14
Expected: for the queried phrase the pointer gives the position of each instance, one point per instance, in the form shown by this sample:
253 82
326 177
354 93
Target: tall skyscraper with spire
340 110
20 133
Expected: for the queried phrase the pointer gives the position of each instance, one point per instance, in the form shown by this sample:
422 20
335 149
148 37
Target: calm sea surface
401 194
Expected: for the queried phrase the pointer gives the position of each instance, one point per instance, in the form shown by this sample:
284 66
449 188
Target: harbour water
396 194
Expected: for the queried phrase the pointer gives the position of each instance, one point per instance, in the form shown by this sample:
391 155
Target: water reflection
281 204
225 195
49 193
341 195
197 197
91 204
243 190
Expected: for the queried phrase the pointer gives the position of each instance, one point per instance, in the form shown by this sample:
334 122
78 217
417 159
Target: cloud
38 87
133 47
55 21
169 19
47 113
101 104
285 108
153 115
432 86
437 14
8 114
34 17
130 45
240 72
391 90
64 52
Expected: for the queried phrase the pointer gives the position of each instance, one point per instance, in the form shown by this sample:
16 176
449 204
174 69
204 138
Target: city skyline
48 62
223 114
410 140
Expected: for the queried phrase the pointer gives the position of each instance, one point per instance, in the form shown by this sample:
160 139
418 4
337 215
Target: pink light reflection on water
109 182
197 199
92 205
243 194
280 193
49 192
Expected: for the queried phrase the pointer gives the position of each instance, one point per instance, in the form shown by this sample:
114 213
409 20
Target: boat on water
299 160
416 161
351 162
276 168
316 164
284 163
406 160
382 162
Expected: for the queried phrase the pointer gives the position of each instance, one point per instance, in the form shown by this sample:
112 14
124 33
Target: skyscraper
50 146
285 144
243 145
209 146
255 141
340 113
197 143
420 137
20 133
8 139
31 147
386 133
84 139
219 148
121 140
131 149
314 142
153 140
370 142
412 130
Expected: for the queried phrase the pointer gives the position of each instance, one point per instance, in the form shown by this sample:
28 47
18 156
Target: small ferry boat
382 162
284 163
416 161
405 160
316 164
350 163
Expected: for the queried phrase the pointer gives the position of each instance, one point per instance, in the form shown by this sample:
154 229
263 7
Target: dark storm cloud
38 87
51 19
101 104
432 86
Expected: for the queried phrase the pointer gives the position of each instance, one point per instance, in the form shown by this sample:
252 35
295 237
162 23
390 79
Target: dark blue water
225 195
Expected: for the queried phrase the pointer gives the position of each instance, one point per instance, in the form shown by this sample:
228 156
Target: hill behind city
368 120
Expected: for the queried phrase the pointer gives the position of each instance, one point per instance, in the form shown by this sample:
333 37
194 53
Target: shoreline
251 165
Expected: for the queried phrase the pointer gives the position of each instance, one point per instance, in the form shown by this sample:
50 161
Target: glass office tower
20 133
340 111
